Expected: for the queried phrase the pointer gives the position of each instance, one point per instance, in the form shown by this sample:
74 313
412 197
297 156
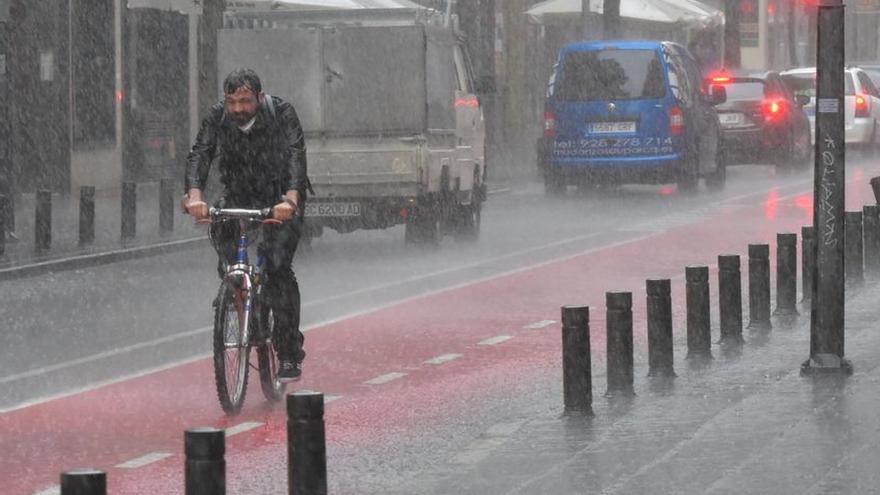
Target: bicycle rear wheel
267 358
230 349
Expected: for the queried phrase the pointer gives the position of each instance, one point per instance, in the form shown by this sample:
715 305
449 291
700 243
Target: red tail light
863 106
676 121
773 109
549 124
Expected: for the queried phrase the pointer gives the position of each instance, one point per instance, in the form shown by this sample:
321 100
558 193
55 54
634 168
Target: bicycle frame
242 275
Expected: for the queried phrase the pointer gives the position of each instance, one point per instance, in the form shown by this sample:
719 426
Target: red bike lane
485 338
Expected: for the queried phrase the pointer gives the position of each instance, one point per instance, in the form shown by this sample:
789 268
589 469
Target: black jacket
258 167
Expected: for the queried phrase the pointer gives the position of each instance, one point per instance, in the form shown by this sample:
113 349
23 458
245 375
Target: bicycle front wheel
267 357
230 349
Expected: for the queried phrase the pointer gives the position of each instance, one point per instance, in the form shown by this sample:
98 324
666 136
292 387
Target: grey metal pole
808 262
306 449
83 482
205 450
730 299
128 213
43 221
853 249
86 215
2 227
577 378
166 206
786 275
827 318
619 343
699 337
759 287
660 351
871 227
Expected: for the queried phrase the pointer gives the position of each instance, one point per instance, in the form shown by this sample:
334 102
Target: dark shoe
289 370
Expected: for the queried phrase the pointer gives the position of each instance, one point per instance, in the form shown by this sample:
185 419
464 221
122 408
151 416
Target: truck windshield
611 74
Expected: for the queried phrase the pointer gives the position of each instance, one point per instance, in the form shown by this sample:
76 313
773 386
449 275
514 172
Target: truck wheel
423 227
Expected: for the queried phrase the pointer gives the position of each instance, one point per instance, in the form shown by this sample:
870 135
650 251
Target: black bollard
699 333
808 262
852 245
83 482
129 210
43 221
759 287
7 211
205 449
786 275
730 299
871 227
86 215
619 343
660 352
166 206
875 186
577 377
306 449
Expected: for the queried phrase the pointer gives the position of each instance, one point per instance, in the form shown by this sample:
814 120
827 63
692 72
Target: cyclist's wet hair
242 78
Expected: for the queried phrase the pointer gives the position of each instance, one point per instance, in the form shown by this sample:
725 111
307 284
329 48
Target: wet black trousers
278 243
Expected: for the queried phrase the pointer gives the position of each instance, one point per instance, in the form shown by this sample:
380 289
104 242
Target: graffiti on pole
828 185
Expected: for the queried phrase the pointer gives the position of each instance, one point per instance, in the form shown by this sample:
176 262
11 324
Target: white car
861 105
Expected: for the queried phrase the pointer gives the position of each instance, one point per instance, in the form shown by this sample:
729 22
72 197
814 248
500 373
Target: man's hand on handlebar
287 208
195 205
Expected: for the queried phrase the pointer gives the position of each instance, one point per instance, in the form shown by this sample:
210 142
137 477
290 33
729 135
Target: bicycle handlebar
264 214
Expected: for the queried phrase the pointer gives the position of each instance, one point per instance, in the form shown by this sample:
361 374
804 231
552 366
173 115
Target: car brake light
721 79
863 106
676 121
773 109
549 124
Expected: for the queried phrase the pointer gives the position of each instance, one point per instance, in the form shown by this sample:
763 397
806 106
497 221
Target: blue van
629 112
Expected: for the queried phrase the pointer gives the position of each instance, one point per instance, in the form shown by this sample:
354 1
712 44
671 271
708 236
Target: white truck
394 132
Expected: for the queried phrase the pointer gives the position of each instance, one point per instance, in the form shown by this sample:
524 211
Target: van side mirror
717 94
802 99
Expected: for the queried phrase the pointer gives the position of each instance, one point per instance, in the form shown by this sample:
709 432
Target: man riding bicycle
260 147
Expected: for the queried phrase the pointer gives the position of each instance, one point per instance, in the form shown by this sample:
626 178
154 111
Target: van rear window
611 74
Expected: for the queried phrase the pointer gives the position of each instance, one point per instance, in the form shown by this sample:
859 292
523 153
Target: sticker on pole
828 105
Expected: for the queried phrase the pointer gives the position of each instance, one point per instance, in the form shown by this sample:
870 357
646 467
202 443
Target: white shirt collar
247 127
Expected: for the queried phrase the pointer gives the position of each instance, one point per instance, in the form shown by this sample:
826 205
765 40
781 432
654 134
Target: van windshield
611 74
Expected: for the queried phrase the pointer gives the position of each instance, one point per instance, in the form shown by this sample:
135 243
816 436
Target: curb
96 259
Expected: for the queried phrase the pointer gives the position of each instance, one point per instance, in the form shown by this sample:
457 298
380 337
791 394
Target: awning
663 11
287 5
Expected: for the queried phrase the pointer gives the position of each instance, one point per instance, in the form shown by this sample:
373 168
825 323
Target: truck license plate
333 209
612 127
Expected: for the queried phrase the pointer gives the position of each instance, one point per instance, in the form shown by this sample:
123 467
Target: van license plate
333 209
612 127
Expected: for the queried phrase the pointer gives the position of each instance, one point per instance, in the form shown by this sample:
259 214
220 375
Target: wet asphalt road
71 330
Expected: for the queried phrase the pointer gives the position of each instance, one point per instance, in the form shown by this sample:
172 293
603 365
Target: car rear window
611 74
744 90
805 84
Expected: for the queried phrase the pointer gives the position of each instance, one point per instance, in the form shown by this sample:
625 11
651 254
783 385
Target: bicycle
242 318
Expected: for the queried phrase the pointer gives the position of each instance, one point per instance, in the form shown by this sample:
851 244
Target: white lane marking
330 398
443 358
242 427
540 324
495 340
488 442
388 377
102 355
144 460
52 490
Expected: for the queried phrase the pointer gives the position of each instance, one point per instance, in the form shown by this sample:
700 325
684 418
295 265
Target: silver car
861 105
